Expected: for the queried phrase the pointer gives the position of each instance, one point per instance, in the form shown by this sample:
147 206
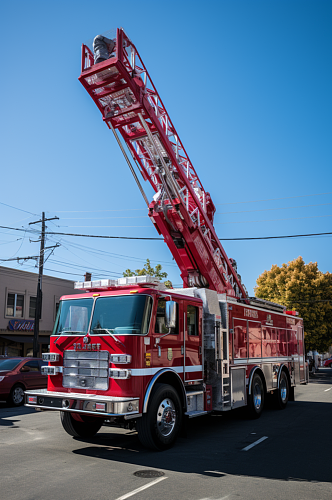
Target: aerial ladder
181 210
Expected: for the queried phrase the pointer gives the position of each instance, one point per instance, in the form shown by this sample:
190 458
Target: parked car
19 374
328 362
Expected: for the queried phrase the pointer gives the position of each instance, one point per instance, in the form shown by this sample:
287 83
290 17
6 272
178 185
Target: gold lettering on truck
251 313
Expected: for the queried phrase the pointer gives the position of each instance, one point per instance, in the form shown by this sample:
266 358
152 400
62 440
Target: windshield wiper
67 331
71 332
110 332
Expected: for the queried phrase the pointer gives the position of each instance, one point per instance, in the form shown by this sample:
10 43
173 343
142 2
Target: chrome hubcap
166 417
18 395
283 390
257 396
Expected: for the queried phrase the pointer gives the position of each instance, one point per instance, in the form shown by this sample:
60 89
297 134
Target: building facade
18 290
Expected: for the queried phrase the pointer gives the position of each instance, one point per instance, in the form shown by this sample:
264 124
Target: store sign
21 325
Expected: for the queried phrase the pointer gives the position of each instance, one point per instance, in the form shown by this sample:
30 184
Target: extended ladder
181 210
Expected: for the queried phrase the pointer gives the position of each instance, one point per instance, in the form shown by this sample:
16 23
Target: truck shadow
294 450
7 411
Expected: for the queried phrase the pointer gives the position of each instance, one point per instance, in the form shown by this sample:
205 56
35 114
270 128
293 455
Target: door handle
182 349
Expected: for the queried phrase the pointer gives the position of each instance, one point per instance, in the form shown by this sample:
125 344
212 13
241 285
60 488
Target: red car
328 362
19 374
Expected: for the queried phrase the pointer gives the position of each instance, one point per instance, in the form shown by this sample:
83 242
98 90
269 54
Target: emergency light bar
107 284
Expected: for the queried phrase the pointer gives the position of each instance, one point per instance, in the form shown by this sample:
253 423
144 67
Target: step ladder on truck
130 352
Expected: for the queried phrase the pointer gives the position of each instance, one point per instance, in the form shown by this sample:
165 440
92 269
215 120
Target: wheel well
18 384
257 370
166 377
284 368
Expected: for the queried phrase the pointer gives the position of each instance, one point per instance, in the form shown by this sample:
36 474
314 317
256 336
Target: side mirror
25 369
170 314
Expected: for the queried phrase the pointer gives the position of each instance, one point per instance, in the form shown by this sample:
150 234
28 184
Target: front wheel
80 427
256 397
159 427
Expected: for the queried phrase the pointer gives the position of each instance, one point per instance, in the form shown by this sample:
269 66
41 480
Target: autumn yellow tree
302 287
152 271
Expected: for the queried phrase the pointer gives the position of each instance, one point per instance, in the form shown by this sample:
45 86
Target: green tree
152 271
302 287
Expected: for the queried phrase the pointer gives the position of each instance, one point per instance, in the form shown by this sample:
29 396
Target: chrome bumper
83 403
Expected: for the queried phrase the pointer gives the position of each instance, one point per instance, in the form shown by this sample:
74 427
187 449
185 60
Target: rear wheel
16 396
283 391
256 397
77 426
159 427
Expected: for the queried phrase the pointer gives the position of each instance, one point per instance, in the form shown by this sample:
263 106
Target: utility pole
39 286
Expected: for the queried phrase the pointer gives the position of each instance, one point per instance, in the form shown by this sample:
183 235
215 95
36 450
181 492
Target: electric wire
161 239
271 209
15 208
273 199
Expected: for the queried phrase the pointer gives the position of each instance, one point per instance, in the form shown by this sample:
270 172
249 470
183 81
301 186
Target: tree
302 287
152 271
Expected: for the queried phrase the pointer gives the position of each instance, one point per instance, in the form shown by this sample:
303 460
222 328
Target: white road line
131 493
328 389
254 444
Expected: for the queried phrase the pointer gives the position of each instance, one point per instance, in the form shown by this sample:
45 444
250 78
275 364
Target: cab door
192 363
167 344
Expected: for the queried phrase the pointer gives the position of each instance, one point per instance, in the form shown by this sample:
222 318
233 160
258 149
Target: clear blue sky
248 87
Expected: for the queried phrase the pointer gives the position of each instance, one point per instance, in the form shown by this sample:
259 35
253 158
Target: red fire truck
130 352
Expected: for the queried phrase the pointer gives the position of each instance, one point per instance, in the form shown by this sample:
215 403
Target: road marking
254 444
138 490
328 389
208 498
215 472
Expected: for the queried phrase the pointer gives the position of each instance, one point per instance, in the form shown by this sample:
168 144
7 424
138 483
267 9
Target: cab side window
192 320
160 325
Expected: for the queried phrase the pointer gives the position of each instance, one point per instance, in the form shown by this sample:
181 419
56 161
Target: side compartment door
192 317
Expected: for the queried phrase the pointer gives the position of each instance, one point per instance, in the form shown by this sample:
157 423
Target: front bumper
87 404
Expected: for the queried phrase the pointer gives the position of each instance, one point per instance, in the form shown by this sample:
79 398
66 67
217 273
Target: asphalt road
292 459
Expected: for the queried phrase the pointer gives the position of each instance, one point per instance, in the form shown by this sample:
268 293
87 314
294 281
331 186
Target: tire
87 428
159 427
256 398
282 395
16 396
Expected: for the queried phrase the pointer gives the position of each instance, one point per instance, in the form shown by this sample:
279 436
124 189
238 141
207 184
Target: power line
267 209
273 199
162 239
247 221
217 204
276 237
15 208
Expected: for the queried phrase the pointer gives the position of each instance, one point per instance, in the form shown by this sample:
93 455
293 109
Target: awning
27 339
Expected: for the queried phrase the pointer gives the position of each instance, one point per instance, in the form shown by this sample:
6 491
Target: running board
196 413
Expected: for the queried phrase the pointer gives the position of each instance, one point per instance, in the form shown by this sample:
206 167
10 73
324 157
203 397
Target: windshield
122 315
73 317
8 364
115 315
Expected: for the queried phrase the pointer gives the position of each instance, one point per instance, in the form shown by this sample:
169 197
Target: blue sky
248 87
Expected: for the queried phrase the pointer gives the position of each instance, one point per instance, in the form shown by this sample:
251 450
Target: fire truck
132 353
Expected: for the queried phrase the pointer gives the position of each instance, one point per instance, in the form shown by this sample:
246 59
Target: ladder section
181 210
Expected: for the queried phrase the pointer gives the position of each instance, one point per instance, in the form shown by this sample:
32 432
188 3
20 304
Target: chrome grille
86 370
